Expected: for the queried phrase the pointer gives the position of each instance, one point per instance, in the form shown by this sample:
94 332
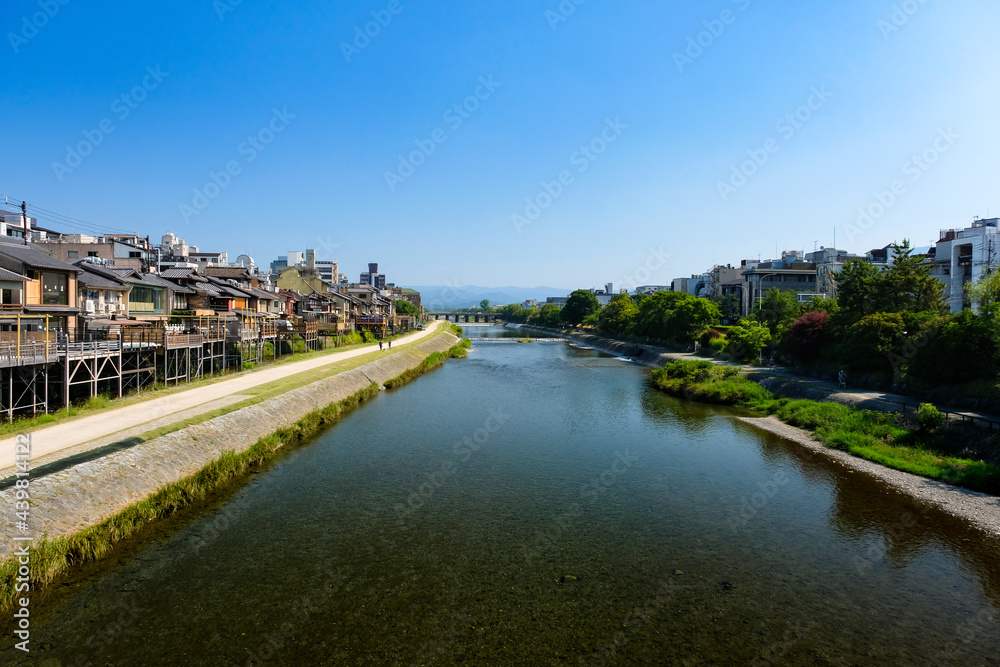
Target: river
534 504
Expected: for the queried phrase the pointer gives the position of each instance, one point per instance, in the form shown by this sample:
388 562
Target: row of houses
959 258
74 329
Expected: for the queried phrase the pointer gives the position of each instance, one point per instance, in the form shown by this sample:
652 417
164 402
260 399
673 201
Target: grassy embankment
103 403
53 558
885 438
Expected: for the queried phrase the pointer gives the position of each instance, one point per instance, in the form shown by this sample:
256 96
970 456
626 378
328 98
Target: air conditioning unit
88 305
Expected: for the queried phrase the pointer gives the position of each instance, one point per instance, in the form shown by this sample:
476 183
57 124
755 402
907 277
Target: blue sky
669 98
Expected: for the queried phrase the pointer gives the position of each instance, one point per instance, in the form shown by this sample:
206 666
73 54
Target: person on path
380 346
842 379
390 344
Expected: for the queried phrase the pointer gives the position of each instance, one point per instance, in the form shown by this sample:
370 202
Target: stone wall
84 495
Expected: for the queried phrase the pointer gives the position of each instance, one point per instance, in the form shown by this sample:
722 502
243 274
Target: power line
63 220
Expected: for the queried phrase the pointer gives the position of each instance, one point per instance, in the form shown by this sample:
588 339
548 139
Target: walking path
97 429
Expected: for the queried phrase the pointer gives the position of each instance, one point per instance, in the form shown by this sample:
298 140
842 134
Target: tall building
373 277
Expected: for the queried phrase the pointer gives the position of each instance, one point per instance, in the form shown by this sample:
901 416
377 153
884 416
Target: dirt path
96 428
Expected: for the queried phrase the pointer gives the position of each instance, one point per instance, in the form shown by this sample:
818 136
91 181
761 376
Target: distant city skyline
531 143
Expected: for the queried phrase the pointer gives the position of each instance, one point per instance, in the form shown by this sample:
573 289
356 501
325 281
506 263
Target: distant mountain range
444 297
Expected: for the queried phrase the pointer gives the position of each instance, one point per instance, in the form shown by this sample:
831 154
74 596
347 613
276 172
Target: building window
73 254
146 300
54 289
134 254
91 253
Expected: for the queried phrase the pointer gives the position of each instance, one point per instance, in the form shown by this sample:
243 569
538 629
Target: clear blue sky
679 128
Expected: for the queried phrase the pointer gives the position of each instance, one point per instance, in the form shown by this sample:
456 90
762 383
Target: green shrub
929 418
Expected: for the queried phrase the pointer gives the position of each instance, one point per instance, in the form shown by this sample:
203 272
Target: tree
485 305
807 335
675 316
747 339
778 310
907 285
730 307
549 315
579 305
619 316
985 295
858 287
953 349
404 307
514 312
870 341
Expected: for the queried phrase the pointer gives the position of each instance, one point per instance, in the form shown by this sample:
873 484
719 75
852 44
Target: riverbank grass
884 438
52 558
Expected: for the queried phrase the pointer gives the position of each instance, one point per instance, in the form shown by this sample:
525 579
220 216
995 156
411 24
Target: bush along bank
915 445
52 558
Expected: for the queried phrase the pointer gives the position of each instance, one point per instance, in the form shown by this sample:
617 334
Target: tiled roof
226 271
33 256
91 279
13 277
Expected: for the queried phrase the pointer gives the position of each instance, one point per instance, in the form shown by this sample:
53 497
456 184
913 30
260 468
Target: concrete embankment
73 499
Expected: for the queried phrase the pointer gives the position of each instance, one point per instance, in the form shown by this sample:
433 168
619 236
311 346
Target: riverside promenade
76 436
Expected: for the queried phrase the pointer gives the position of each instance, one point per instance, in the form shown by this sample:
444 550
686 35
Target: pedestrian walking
390 344
380 346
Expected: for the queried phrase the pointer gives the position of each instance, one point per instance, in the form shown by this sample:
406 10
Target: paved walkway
97 429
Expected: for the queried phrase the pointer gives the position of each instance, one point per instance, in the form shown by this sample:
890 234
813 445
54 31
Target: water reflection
592 520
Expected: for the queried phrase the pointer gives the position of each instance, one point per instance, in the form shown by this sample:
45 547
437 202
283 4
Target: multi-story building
964 256
828 263
788 275
373 277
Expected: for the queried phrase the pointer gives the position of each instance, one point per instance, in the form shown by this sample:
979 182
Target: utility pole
24 220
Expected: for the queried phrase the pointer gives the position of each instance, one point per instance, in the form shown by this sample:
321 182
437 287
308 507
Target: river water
537 504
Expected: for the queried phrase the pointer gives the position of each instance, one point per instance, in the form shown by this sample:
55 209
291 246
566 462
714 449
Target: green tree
619 316
404 307
549 315
675 316
579 305
747 339
985 295
730 307
514 312
869 342
858 290
907 285
778 310
485 305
